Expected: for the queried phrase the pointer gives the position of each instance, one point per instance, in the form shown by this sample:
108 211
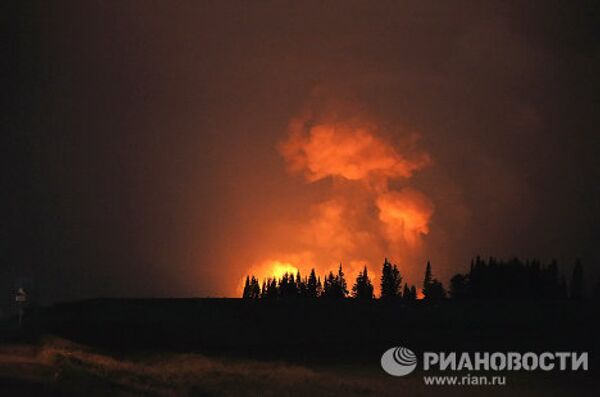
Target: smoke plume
370 210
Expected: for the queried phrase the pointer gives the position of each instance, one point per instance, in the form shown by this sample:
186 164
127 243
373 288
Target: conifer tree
432 288
459 286
311 285
342 286
263 290
254 292
246 292
328 285
391 280
428 277
319 287
413 293
363 289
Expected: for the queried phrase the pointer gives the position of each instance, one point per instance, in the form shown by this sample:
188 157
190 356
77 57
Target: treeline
491 279
515 278
334 286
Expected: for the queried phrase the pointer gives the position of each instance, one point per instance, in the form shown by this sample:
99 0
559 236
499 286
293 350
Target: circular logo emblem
398 361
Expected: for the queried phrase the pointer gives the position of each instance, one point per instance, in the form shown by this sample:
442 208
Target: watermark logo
399 361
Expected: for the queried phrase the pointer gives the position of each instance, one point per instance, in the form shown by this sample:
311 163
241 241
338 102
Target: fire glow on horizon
370 212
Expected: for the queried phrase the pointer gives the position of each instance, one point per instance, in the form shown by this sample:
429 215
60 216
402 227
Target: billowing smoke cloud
347 148
370 210
406 215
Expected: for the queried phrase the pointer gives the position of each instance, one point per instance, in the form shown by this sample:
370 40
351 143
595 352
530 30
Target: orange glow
270 269
349 149
277 269
406 214
368 211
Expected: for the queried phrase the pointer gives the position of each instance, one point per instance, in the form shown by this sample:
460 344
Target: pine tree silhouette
263 290
319 287
335 286
428 277
251 288
413 293
311 285
391 280
459 286
301 285
343 287
363 289
254 288
406 292
328 286
271 291
494 279
246 292
512 279
432 288
287 286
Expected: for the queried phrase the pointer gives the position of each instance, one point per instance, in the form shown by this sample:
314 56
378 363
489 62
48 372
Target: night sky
146 145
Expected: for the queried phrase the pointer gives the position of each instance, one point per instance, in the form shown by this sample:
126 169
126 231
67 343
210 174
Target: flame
370 211
269 269
276 269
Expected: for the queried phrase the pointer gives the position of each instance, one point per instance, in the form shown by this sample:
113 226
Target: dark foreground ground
230 347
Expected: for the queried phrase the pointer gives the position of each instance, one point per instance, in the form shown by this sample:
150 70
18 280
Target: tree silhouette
491 279
335 286
271 291
301 285
512 279
329 288
432 288
410 293
312 290
246 292
342 282
319 287
406 292
577 291
413 293
428 277
436 291
391 280
254 288
459 286
263 290
363 289
251 288
287 286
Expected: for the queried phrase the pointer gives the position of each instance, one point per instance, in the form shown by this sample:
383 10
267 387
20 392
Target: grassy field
229 347
59 368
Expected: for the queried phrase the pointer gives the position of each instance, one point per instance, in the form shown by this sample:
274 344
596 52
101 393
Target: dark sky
140 138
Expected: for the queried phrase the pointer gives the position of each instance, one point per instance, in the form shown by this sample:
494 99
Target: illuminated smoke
362 219
346 149
406 215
